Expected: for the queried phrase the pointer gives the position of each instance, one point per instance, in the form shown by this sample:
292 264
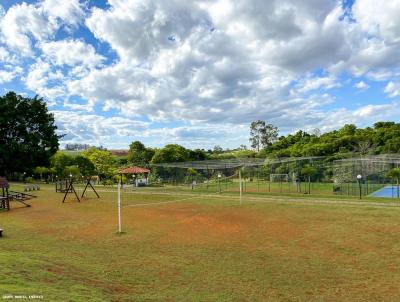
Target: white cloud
211 71
71 52
26 23
19 22
4 54
45 81
380 18
314 83
361 85
392 89
378 112
6 76
138 29
114 131
9 73
69 12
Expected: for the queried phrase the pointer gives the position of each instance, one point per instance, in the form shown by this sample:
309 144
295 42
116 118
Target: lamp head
359 176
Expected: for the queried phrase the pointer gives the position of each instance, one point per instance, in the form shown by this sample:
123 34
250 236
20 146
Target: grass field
183 246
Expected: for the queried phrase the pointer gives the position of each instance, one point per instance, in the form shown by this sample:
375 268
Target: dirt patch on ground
196 224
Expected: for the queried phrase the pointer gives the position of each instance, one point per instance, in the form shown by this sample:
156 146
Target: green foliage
73 171
191 172
27 134
86 167
394 174
41 171
171 153
29 180
218 149
197 154
102 161
139 155
384 137
121 161
60 161
234 154
262 134
308 171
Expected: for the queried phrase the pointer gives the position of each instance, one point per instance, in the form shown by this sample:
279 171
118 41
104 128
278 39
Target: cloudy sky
198 72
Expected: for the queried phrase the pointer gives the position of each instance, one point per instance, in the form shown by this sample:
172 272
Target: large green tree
27 134
262 134
102 161
139 155
60 161
86 167
171 153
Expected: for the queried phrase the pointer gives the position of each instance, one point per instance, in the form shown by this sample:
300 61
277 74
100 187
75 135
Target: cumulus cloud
139 29
379 18
45 81
205 64
69 13
195 64
71 52
6 76
111 131
361 85
23 20
25 23
314 83
392 89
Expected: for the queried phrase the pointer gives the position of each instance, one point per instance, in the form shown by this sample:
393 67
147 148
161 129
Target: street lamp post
359 177
219 184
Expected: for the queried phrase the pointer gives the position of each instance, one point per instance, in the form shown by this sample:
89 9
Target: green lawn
184 246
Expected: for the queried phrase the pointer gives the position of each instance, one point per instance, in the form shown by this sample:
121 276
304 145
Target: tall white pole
240 185
119 208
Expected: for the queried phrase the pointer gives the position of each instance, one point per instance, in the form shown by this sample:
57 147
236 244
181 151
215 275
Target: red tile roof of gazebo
134 170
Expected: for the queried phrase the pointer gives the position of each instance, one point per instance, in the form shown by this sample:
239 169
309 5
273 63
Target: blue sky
198 73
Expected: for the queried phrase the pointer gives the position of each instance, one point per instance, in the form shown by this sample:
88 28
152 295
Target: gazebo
136 171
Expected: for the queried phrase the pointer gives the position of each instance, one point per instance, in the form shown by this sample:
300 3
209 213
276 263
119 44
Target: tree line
381 138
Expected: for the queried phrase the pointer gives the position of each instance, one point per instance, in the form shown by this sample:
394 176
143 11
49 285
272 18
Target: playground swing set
66 186
7 196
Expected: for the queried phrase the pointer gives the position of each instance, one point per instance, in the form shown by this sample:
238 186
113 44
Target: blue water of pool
388 191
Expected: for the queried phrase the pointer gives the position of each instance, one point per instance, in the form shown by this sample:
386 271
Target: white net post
119 208
240 186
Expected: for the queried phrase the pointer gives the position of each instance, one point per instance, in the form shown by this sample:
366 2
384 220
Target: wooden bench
28 188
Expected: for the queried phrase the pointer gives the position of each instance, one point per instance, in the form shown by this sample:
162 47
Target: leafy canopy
27 134
262 134
139 155
102 160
